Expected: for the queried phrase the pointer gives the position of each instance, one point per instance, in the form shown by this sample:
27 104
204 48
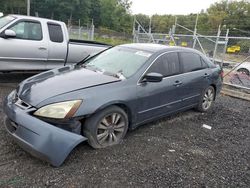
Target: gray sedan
104 96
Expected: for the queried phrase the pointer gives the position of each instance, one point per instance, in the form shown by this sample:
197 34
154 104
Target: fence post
195 31
138 31
92 30
225 48
216 43
79 30
171 35
134 31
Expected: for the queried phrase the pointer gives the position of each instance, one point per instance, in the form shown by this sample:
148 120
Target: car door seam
157 107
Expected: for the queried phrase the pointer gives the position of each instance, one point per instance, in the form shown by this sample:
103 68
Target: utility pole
28 7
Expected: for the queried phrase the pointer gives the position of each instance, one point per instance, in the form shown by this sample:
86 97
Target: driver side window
28 30
167 65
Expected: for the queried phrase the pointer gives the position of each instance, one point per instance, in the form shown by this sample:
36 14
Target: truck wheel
106 128
206 100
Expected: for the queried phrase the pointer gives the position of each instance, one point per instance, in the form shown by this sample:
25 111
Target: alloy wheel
208 99
110 129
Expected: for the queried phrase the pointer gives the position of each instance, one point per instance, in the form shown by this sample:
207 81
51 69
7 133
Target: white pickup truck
32 43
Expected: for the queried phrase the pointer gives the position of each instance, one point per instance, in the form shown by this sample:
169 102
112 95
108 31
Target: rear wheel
207 99
106 128
244 71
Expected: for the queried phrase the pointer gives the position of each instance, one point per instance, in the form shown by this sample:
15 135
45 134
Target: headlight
59 110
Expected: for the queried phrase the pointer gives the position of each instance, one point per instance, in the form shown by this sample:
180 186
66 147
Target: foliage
116 15
113 14
228 14
245 45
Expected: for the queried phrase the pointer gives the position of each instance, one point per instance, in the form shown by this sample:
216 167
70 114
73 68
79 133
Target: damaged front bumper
38 137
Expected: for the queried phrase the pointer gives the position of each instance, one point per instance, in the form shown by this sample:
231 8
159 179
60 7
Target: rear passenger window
191 62
55 32
167 65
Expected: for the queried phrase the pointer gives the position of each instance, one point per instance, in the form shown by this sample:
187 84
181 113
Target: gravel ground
173 152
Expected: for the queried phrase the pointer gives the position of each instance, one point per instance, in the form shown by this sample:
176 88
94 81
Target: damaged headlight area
62 110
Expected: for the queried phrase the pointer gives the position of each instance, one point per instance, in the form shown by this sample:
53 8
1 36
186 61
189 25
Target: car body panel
32 90
245 65
38 137
153 100
193 85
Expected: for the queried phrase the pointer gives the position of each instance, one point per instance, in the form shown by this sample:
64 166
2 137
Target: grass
113 41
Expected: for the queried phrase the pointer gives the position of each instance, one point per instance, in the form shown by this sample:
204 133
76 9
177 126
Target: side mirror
152 77
9 33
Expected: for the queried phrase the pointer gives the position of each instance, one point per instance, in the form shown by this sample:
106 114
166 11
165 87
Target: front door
27 51
157 99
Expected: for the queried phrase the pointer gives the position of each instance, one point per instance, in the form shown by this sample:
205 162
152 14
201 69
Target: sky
151 7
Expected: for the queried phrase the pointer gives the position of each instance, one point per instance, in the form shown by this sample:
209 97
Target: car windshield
121 62
5 20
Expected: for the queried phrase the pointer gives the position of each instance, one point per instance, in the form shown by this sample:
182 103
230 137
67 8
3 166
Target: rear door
157 99
57 46
196 77
28 50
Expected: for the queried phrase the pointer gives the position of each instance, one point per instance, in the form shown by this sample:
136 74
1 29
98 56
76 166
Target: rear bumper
39 138
219 88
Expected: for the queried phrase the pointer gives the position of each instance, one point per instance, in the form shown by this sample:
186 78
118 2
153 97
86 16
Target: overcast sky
151 7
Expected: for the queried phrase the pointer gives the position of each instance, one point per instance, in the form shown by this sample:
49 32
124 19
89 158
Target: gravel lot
173 152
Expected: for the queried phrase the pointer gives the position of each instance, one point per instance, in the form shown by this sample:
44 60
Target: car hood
38 88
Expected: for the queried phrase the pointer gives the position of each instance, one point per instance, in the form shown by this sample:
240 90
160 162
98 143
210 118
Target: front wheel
106 128
207 99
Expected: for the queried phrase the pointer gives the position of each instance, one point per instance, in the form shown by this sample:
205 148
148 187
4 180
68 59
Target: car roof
32 17
153 48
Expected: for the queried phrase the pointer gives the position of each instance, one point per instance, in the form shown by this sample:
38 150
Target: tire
106 128
206 100
245 71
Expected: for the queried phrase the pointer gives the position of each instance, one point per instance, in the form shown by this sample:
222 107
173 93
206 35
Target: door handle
42 48
177 83
206 75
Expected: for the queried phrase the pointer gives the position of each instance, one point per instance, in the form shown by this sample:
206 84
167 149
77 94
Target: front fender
37 137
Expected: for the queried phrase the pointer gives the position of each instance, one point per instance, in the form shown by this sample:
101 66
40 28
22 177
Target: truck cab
32 43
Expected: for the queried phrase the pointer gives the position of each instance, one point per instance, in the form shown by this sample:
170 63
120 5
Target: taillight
222 73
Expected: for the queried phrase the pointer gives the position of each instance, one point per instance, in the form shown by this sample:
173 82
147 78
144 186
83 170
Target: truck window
28 30
55 32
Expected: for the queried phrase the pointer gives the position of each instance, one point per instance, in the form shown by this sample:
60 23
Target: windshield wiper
93 68
83 61
119 74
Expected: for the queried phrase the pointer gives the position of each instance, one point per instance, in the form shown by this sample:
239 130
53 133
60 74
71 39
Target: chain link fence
230 52
81 33
112 37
